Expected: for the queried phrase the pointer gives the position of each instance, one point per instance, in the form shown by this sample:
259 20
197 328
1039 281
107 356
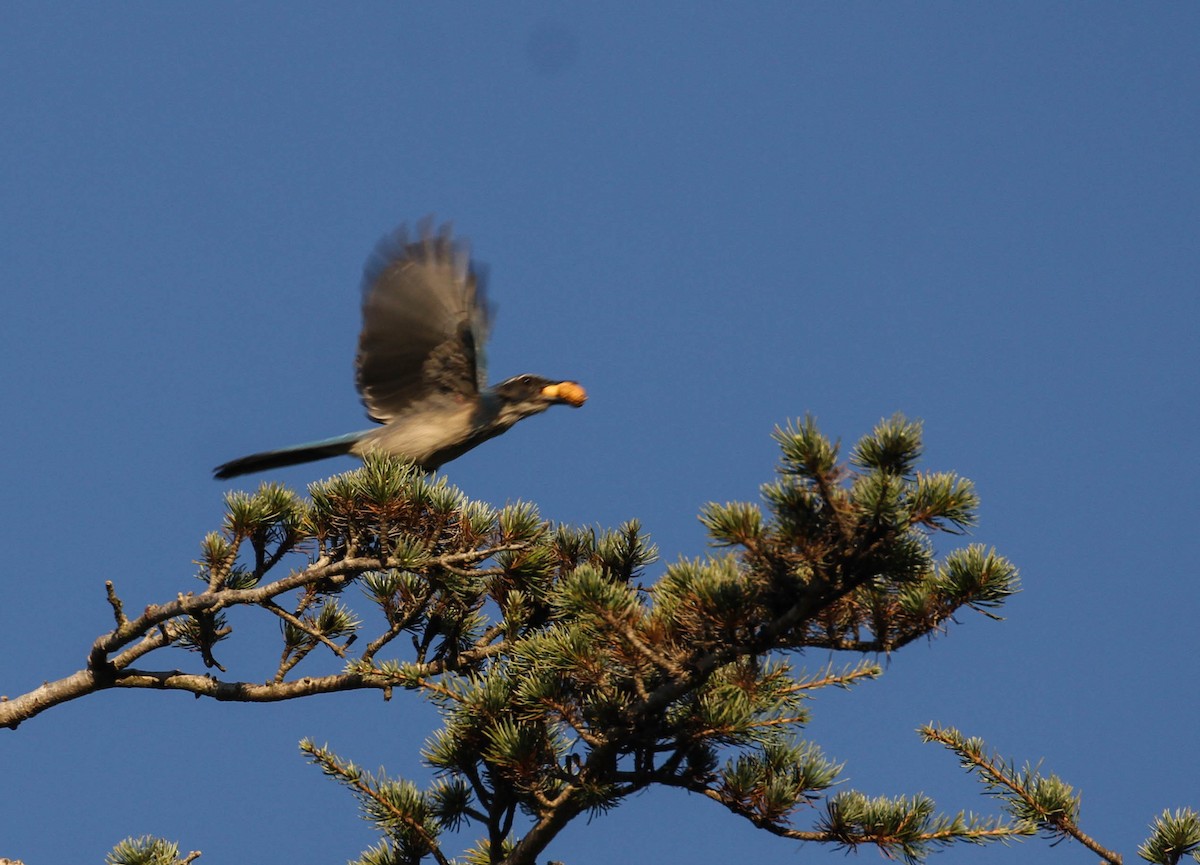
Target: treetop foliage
567 684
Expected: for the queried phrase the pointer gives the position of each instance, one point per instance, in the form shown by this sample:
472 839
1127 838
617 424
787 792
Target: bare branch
115 603
250 692
155 629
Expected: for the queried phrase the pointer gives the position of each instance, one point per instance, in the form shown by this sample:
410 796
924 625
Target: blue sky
716 218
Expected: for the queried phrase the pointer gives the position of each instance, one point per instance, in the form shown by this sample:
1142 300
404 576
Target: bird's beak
566 391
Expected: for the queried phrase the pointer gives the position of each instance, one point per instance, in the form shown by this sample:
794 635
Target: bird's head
524 395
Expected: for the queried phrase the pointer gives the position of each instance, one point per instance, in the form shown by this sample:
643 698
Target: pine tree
567 683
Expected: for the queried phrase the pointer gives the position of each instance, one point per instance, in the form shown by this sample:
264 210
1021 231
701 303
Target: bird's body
420 367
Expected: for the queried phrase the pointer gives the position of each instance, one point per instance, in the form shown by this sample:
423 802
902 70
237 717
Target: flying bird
420 368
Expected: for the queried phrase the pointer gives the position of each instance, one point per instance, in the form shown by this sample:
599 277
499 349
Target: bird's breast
425 435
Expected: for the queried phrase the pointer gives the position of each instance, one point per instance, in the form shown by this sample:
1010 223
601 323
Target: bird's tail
306 453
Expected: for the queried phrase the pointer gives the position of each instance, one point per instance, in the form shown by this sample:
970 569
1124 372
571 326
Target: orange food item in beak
567 391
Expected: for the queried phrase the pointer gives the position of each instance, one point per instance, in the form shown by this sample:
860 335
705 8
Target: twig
115 603
300 625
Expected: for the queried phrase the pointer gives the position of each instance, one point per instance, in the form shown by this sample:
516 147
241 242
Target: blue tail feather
305 453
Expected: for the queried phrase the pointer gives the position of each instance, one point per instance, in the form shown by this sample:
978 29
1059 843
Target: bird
420 368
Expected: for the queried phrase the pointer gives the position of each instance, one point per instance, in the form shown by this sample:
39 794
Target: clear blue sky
715 217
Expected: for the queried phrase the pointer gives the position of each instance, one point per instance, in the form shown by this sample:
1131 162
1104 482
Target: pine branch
887 839
143 851
1173 836
1046 802
838 680
389 805
299 625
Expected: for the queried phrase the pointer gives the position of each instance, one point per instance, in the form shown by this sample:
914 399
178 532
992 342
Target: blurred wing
425 322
